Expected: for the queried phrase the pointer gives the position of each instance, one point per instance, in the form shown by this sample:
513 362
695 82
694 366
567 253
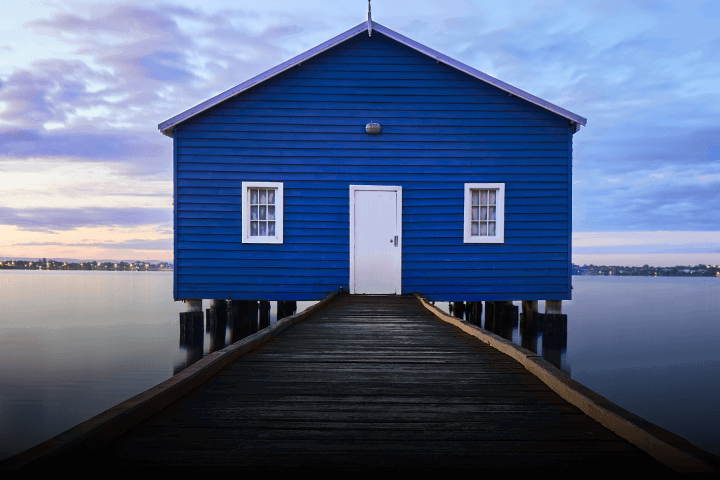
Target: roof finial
369 21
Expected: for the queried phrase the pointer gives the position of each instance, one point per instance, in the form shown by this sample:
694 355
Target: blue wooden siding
440 129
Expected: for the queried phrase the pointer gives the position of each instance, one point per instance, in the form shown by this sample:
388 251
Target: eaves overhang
167 126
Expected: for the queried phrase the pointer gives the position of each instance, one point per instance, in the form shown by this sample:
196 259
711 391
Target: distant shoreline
647 271
44 264
83 269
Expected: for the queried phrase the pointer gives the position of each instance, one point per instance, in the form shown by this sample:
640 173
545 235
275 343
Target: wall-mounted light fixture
372 128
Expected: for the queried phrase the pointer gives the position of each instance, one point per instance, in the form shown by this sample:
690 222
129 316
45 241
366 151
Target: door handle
396 240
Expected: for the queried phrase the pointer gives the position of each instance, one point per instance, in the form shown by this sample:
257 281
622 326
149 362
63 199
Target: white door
375 239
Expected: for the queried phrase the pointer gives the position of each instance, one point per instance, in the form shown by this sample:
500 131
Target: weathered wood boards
373 382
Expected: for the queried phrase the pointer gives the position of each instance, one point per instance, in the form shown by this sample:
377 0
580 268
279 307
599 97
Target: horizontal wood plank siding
440 130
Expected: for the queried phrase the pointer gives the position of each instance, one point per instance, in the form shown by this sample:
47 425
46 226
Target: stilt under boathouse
378 165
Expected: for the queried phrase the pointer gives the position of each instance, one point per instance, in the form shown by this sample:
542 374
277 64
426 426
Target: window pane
263 212
271 229
483 197
253 229
271 213
475 213
475 197
271 197
263 196
492 213
492 197
474 228
253 213
491 229
263 229
483 213
483 229
254 196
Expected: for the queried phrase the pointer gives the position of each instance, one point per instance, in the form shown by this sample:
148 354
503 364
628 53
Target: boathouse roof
167 126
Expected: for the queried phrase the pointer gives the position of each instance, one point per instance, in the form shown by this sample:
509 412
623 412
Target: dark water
73 344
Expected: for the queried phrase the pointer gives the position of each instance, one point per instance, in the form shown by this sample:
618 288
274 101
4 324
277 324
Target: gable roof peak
167 126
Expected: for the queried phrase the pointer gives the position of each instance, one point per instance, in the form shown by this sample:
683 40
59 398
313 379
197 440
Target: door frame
398 227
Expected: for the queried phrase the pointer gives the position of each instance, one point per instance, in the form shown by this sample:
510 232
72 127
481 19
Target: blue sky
83 85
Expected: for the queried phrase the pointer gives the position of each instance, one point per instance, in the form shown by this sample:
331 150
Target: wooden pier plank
372 382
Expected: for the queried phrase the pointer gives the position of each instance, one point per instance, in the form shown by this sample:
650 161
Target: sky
84 172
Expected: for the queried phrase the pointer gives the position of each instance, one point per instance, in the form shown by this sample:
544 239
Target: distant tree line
701 270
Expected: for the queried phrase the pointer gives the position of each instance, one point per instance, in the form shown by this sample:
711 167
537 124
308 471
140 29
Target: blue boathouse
376 164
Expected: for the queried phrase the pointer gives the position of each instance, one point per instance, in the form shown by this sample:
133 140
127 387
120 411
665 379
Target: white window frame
279 207
500 213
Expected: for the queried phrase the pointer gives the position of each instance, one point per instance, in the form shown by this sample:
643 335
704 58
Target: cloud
711 8
666 204
52 220
658 248
138 152
648 146
644 75
713 153
133 67
134 244
653 5
638 247
37 244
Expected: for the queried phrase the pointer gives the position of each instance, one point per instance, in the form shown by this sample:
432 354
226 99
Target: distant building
379 165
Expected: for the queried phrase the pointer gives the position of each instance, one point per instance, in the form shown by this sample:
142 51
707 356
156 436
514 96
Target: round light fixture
372 128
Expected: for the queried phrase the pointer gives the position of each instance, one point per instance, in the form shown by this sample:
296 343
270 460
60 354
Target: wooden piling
477 309
191 327
500 318
553 306
264 321
554 337
193 305
458 309
221 308
286 308
191 338
529 309
530 321
217 317
513 314
234 321
211 327
244 319
210 320
252 315
489 316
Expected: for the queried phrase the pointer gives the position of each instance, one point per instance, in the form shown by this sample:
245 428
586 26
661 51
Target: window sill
262 240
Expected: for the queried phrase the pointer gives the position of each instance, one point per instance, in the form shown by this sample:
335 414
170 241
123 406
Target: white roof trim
167 126
480 75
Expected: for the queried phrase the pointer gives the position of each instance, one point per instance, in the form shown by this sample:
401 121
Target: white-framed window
262 212
484 213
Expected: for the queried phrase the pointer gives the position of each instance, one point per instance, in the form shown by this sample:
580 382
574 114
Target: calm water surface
73 344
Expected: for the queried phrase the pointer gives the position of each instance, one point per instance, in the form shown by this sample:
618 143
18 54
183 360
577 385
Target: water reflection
225 323
544 334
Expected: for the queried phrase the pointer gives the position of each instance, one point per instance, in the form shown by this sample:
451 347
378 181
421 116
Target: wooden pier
369 382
